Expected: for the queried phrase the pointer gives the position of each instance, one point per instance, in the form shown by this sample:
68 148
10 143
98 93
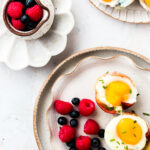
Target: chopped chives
124 132
126 147
112 140
102 81
130 91
110 108
133 111
146 114
118 142
105 87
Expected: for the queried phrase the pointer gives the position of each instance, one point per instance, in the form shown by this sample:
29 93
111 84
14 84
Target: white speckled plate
132 14
82 66
17 53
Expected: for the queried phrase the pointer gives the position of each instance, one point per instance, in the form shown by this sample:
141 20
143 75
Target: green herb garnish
126 147
110 108
118 142
107 72
146 114
134 135
112 140
102 81
123 132
133 127
105 87
133 111
135 121
119 111
130 91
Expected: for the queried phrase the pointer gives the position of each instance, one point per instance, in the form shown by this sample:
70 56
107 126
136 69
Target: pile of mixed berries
67 133
24 15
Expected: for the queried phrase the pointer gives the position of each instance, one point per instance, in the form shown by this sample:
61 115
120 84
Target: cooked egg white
126 132
113 89
117 3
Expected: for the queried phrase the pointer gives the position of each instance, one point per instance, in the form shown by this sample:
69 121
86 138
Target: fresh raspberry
83 143
66 133
15 9
62 107
17 24
86 107
35 13
91 127
148 134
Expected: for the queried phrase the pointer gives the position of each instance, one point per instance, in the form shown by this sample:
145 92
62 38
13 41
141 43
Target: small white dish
132 14
18 53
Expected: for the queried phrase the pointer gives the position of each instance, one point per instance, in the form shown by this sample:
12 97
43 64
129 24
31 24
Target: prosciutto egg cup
117 3
127 131
115 92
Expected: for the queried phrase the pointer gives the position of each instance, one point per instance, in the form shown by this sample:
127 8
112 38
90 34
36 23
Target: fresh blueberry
73 122
62 120
73 148
29 3
75 101
71 143
101 133
102 148
31 25
74 114
95 142
25 19
22 1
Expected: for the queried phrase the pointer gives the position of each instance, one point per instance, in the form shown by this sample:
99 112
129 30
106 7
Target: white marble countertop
18 89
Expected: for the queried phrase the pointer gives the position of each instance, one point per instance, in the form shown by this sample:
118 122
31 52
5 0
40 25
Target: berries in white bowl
24 15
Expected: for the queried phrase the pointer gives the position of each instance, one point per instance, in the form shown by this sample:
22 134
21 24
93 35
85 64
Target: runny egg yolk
147 3
107 1
117 92
129 131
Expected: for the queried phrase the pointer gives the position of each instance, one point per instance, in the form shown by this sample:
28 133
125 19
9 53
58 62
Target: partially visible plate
134 13
45 99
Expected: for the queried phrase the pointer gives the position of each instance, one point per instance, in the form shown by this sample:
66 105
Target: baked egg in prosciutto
115 92
126 132
117 3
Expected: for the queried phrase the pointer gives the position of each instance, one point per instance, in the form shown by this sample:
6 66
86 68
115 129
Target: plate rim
69 58
117 18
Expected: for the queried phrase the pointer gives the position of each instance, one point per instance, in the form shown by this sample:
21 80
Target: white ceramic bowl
18 53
